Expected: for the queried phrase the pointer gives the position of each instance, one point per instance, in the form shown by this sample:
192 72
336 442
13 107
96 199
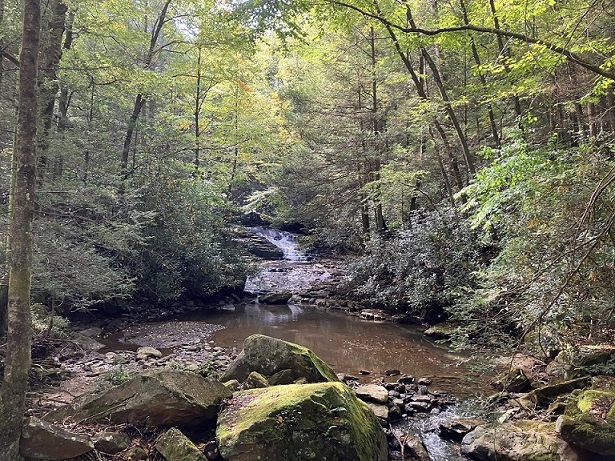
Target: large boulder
45 441
519 441
153 399
268 356
300 422
280 297
589 422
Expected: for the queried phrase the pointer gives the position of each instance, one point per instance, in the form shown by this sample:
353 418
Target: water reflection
347 343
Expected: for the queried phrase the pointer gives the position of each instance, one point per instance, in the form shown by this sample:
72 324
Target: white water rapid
285 241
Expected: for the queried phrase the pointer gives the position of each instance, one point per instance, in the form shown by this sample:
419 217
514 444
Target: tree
17 360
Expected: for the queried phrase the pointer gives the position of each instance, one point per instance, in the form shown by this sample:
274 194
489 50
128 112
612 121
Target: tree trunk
18 340
141 98
481 76
420 89
55 18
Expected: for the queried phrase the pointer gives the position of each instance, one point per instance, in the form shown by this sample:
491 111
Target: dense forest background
461 151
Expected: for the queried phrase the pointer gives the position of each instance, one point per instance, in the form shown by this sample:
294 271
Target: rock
111 442
147 352
442 330
545 395
423 381
372 393
255 381
93 332
381 411
519 441
175 446
300 422
157 398
45 441
135 454
282 377
512 380
589 422
416 448
275 298
456 428
233 385
269 356
571 363
406 379
392 372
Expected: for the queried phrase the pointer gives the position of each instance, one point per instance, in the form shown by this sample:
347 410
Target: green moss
302 421
588 398
324 369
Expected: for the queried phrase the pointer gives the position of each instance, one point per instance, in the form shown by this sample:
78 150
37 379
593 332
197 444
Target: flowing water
364 348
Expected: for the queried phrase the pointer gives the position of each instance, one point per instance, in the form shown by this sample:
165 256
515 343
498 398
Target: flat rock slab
45 441
372 393
153 399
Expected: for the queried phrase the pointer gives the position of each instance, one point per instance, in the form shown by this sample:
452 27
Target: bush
421 270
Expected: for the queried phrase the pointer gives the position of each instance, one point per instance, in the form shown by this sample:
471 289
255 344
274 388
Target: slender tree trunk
481 77
420 89
197 114
377 127
54 20
23 183
448 108
504 53
141 98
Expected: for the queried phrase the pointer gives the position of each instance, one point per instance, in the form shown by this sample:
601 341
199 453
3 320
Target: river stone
523 440
269 356
372 393
305 422
381 411
45 441
255 381
153 399
275 298
175 446
147 352
111 442
589 422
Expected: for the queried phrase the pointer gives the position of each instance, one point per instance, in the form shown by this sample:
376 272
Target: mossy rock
323 421
523 440
175 446
268 356
543 396
589 422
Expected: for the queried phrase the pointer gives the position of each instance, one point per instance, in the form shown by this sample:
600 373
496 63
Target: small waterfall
285 241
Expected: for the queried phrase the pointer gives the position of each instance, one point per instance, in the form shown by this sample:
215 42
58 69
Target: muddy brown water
347 343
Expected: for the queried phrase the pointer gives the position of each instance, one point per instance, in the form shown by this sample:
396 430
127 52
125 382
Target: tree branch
9 57
570 55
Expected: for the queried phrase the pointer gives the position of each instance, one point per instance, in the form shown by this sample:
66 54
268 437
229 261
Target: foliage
423 269
552 208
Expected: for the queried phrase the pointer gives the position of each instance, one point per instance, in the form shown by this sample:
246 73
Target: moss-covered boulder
589 421
321 421
153 399
268 356
543 396
519 441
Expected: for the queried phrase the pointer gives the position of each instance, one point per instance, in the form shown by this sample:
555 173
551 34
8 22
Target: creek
367 349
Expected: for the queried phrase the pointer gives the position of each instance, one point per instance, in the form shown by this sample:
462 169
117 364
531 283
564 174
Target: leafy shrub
423 269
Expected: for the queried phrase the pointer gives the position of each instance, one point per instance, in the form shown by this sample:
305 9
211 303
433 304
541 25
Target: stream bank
206 341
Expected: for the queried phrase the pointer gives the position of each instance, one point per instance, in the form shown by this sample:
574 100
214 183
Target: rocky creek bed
538 413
